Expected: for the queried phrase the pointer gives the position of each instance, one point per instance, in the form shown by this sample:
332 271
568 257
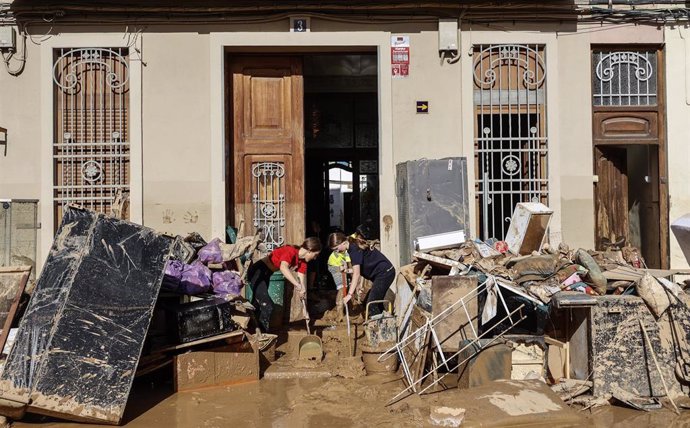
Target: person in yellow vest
339 262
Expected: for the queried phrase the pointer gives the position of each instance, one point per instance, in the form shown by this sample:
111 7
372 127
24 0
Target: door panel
268 147
611 194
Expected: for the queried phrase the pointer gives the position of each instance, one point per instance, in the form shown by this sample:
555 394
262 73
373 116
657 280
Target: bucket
276 291
381 329
370 357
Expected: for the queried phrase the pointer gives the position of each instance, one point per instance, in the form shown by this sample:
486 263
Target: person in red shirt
285 259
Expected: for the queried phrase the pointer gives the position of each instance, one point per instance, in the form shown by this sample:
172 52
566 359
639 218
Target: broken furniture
12 283
218 366
79 342
200 319
528 227
480 368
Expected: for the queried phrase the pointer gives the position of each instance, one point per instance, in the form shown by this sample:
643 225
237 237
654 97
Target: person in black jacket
366 262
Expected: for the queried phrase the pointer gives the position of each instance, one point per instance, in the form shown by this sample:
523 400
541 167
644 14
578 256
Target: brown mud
336 393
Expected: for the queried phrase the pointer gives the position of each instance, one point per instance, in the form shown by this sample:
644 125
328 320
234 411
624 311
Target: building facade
292 118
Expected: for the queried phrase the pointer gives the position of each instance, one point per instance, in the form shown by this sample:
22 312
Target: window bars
624 78
91 121
511 145
268 200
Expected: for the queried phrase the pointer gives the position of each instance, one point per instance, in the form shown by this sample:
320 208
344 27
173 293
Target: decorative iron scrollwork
605 66
268 198
81 58
525 58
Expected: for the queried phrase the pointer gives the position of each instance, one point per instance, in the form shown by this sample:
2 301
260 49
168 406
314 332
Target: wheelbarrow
381 328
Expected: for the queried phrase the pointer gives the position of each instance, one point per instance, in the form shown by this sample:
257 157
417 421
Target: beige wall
176 133
678 134
180 112
20 102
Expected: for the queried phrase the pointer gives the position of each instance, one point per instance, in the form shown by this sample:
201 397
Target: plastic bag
227 283
653 294
196 279
173 274
211 253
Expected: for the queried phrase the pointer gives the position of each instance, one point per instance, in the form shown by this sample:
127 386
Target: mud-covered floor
336 393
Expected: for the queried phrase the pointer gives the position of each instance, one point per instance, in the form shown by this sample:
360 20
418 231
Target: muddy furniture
492 362
79 342
528 227
219 366
432 198
445 291
607 345
200 319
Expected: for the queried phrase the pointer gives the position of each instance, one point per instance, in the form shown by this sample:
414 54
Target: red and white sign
400 56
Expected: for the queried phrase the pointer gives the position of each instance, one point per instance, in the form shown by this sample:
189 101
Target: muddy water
333 401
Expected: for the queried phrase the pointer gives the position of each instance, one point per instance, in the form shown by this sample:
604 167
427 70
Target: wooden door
611 194
628 132
267 170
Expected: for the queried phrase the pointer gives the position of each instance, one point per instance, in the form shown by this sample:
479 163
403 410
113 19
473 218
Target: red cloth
289 254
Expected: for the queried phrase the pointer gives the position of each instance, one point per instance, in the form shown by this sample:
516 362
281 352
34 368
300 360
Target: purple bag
173 274
211 253
227 283
196 279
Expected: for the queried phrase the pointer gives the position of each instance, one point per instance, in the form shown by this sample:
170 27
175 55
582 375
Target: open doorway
303 144
341 143
341 148
628 199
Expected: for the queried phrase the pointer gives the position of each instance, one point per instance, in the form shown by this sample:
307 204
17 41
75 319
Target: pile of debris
97 318
596 325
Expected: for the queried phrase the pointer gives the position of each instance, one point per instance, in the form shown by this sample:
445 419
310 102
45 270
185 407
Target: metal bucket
383 329
310 348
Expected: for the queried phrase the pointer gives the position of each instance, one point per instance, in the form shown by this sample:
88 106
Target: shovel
310 347
347 314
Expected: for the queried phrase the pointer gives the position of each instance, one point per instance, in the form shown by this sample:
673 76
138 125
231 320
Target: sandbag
227 284
653 294
594 274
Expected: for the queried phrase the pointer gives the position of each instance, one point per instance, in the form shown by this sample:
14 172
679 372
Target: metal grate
91 148
624 78
268 199
511 144
18 225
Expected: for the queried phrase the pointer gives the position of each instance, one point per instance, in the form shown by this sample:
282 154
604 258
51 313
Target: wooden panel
13 280
445 291
268 126
611 194
267 107
219 366
626 127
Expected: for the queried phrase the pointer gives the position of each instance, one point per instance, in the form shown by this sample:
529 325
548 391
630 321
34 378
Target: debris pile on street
536 330
597 326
